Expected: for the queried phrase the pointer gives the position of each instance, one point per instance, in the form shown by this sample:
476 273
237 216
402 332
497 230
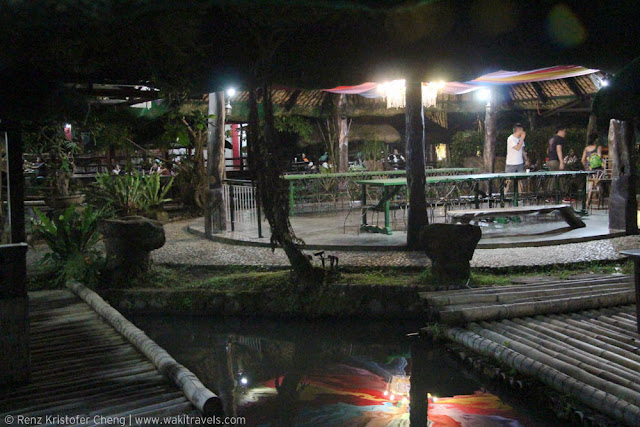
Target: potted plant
129 235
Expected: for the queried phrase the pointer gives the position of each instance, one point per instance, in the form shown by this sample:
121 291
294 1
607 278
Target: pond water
328 373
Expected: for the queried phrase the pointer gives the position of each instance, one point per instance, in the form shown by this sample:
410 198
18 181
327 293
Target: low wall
384 301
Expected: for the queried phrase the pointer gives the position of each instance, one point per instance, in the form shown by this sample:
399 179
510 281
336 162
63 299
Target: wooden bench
566 211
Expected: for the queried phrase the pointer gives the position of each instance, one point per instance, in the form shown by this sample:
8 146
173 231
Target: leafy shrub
468 143
72 238
130 194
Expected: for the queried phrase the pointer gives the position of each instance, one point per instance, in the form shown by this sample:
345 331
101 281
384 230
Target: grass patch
247 281
275 279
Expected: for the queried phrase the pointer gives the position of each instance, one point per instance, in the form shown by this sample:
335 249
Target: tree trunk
225 382
267 167
490 133
343 134
531 117
416 179
622 201
592 127
214 209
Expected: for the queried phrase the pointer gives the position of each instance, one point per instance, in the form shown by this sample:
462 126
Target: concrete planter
128 242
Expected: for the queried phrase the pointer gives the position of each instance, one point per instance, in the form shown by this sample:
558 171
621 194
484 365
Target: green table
515 177
392 185
294 178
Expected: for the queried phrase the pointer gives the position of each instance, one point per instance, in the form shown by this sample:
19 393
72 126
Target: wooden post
215 210
622 201
431 158
416 177
490 132
343 134
14 303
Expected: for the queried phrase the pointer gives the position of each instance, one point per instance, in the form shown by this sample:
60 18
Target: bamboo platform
82 367
593 355
529 299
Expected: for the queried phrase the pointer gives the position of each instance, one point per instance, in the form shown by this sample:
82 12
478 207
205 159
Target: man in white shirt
516 155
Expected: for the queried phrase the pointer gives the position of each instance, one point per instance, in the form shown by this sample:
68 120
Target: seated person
396 159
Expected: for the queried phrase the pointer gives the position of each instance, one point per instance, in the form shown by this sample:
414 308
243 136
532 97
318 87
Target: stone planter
63 202
450 248
128 242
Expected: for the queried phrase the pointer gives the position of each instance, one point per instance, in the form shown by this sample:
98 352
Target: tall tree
416 176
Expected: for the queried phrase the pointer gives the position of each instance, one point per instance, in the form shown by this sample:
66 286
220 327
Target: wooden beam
292 100
575 88
541 95
561 108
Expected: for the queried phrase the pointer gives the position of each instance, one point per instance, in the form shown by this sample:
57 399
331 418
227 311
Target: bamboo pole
592 396
578 343
568 368
561 328
509 295
595 365
621 341
558 305
492 290
201 397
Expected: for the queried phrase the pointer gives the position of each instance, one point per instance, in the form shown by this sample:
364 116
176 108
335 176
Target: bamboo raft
82 366
593 355
529 299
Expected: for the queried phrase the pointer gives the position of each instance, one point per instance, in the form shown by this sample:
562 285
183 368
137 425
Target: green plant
72 238
468 143
130 194
58 149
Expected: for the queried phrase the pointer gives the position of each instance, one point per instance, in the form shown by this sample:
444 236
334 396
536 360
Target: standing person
516 154
592 154
556 159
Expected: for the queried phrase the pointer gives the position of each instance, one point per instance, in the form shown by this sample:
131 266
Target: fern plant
72 238
130 194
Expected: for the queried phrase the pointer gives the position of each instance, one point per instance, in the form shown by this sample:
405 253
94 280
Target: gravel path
185 248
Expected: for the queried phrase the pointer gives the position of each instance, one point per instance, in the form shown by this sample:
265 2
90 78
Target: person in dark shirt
556 158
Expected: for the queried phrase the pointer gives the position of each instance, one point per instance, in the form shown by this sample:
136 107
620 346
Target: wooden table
634 254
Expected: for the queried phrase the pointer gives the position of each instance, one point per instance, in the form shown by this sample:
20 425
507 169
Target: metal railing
241 204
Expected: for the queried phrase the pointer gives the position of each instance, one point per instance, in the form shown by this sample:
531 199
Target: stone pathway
185 248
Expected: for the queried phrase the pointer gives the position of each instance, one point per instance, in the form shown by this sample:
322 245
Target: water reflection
323 373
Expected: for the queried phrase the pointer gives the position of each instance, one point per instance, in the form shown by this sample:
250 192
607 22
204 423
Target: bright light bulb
231 92
483 94
244 381
386 393
605 83
393 397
